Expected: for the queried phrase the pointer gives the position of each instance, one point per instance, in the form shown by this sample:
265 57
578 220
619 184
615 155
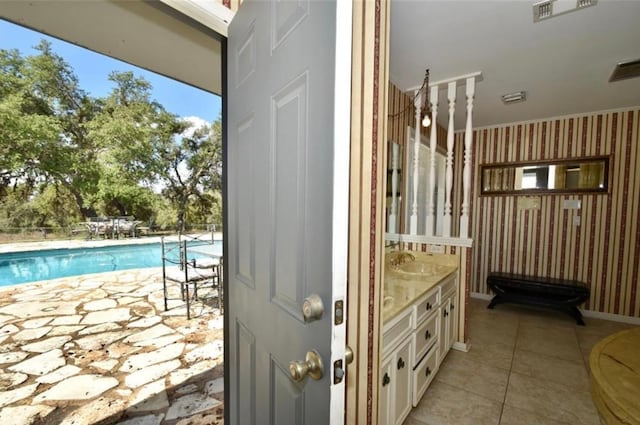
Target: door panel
281 211
289 124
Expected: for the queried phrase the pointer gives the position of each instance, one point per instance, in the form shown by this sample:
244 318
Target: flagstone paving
100 348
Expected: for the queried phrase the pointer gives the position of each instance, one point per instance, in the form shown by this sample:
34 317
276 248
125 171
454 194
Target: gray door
281 210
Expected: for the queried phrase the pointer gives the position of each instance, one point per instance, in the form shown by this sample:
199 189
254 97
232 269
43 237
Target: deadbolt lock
312 308
312 366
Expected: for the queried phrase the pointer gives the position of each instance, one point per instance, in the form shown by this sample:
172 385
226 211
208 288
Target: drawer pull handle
385 379
400 363
427 334
428 372
452 307
428 306
445 313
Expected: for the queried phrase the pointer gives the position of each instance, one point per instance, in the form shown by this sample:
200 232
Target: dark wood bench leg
575 313
495 301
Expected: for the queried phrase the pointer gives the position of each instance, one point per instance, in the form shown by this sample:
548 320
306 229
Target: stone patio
100 349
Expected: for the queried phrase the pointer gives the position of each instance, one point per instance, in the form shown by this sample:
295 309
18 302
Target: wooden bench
559 294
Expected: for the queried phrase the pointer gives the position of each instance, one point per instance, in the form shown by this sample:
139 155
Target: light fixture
519 96
426 120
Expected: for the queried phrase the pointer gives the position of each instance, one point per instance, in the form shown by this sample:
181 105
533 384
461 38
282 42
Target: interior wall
604 250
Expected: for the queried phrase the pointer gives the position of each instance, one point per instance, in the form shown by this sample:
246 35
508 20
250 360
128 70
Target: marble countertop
615 377
400 291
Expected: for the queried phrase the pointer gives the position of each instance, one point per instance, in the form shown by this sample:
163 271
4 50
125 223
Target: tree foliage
66 156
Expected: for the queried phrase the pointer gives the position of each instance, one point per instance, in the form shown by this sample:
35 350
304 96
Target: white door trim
341 152
210 14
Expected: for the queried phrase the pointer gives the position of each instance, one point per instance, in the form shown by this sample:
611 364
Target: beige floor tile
413 421
552 341
546 317
551 400
588 340
568 373
482 331
443 404
459 371
514 416
491 354
602 327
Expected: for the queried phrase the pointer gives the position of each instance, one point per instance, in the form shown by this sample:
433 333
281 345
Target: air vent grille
542 10
584 3
550 8
519 96
625 70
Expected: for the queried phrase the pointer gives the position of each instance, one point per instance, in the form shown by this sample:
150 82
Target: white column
433 143
394 189
413 220
466 173
446 223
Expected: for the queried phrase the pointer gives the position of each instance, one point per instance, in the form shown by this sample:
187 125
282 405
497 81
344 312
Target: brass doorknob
312 366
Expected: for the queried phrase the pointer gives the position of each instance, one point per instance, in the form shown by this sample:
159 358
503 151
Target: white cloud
195 122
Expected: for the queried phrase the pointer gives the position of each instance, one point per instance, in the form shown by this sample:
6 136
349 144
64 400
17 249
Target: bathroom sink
420 268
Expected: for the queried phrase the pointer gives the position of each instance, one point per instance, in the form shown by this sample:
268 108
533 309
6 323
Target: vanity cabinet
448 318
414 343
395 374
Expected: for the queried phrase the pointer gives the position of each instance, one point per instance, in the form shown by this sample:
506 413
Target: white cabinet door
448 320
402 389
396 385
385 404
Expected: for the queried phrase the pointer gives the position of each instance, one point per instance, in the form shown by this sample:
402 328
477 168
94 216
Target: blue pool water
30 266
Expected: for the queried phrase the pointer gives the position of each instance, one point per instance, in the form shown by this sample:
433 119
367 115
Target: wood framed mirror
574 175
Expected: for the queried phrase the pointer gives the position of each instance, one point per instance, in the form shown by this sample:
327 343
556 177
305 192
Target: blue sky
92 70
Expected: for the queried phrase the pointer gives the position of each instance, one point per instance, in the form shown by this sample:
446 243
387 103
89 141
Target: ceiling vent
624 70
549 8
516 97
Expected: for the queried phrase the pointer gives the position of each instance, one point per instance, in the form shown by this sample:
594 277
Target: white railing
469 81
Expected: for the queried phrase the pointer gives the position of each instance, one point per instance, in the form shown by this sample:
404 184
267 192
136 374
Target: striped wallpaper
604 250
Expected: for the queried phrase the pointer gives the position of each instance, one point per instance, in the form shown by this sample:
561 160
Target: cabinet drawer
424 373
448 286
395 331
427 305
425 336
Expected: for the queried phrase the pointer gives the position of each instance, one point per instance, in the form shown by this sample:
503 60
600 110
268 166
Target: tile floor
526 367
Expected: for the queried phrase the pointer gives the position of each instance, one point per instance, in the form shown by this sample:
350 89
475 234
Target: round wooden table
615 377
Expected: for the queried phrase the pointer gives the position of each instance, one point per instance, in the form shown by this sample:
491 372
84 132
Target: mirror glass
394 186
574 175
400 185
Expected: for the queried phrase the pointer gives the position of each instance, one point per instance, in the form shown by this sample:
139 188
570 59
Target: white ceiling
562 63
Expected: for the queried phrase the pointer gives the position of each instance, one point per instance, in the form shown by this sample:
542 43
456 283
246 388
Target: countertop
615 377
400 291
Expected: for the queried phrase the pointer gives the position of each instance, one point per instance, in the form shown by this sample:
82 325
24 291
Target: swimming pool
31 266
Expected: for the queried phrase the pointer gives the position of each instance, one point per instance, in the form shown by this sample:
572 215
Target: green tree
193 173
130 132
66 155
43 114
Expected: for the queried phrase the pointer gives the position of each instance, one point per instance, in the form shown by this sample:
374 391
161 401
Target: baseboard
586 313
609 316
481 296
461 346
